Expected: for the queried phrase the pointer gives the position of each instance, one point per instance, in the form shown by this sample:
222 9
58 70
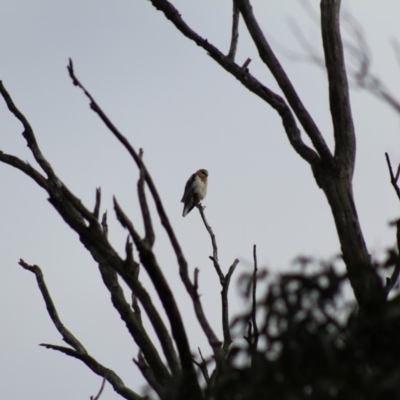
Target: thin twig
224 281
78 350
112 378
255 86
96 210
93 236
246 64
254 303
178 330
103 384
225 308
214 257
148 225
391 282
393 178
148 374
268 57
203 367
67 336
29 135
235 31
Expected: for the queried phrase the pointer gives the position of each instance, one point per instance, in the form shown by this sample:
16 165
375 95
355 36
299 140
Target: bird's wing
190 184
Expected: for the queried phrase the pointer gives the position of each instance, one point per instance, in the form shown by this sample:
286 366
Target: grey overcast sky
168 97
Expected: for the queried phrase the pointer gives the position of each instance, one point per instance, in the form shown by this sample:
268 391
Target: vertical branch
235 31
97 397
225 307
268 57
254 303
224 281
345 140
390 282
77 351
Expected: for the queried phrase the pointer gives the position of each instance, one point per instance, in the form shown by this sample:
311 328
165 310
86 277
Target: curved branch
28 134
148 225
165 294
250 82
67 336
25 168
224 280
339 97
78 350
235 31
134 325
269 58
115 381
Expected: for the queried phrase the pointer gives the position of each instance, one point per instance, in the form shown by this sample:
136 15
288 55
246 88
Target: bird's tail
187 208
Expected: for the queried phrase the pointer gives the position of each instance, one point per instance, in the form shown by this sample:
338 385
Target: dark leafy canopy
313 346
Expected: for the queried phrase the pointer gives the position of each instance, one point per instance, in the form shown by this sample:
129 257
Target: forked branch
77 351
235 31
224 281
345 141
390 282
256 87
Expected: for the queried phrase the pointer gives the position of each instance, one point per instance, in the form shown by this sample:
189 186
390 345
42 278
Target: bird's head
203 173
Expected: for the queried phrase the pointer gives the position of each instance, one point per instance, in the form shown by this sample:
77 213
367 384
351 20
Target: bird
195 190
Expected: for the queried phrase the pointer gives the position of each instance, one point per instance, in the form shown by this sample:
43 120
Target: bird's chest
200 189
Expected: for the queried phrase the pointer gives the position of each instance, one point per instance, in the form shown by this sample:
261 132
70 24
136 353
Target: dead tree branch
269 58
251 83
112 378
67 336
332 174
203 367
94 238
235 31
224 280
393 178
254 303
78 351
148 374
390 282
339 98
97 397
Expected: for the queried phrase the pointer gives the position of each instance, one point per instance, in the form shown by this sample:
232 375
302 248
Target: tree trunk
336 184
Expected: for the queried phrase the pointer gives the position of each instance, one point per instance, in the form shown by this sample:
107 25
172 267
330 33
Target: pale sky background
167 96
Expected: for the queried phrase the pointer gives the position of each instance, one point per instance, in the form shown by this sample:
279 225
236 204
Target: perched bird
195 190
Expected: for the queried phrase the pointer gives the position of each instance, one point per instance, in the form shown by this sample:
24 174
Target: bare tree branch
148 374
97 397
78 350
393 178
212 338
225 307
94 238
191 385
67 336
134 325
148 225
390 282
96 210
224 280
249 81
203 367
28 134
104 224
25 168
254 303
112 378
235 31
269 58
339 97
